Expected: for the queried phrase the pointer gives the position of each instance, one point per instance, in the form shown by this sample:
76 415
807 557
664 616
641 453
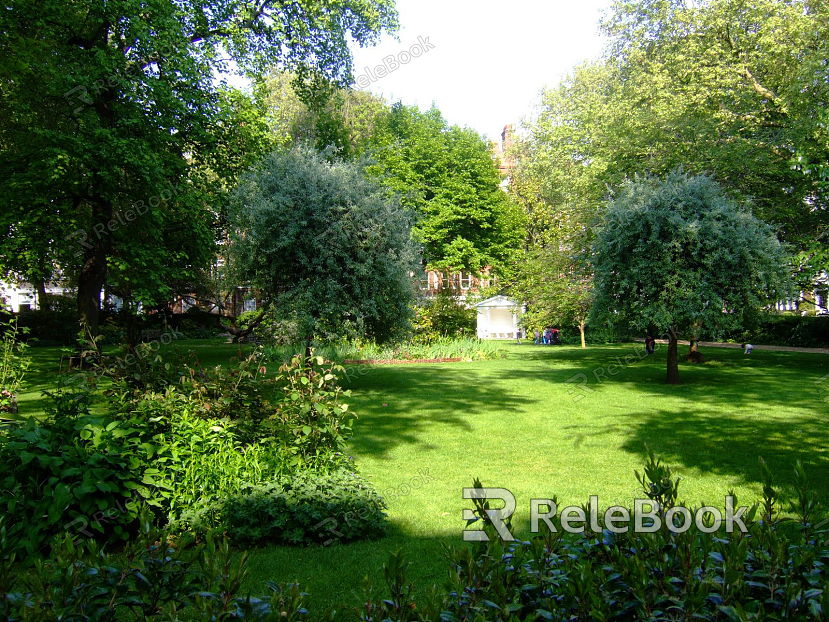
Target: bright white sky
490 60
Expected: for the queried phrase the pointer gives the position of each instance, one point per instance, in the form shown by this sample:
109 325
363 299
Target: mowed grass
516 423
425 431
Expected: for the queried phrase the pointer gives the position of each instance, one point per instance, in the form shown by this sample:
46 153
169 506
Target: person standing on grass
518 336
650 344
536 337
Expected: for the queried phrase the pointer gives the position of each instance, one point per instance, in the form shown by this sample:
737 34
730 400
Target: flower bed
399 361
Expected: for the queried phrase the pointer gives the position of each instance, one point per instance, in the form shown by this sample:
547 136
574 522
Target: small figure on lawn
556 337
748 348
650 344
518 336
537 337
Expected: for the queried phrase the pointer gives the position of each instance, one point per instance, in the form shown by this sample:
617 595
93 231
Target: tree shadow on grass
765 380
730 444
397 405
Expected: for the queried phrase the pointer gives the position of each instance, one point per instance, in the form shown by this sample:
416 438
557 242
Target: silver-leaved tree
324 244
677 254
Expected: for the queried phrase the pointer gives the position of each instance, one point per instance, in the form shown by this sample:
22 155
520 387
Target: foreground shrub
13 365
149 580
75 471
304 508
188 442
768 573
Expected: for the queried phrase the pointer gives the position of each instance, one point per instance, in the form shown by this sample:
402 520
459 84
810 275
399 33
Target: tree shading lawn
514 423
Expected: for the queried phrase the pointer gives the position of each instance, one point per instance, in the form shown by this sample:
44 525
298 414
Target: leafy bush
784 330
207 463
768 573
13 365
468 349
305 508
150 580
191 329
238 391
443 316
311 423
78 472
58 327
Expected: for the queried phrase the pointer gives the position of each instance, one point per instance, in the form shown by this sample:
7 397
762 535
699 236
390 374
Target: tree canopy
677 254
722 87
324 244
447 176
115 130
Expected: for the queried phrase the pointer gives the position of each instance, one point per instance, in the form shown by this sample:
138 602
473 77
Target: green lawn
514 423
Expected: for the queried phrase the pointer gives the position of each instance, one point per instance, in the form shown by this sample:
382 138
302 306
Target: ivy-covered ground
425 431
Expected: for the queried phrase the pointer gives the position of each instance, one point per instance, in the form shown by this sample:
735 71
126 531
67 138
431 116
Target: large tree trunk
93 273
673 363
42 297
581 332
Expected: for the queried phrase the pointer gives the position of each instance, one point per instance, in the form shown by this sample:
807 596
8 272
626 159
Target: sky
489 60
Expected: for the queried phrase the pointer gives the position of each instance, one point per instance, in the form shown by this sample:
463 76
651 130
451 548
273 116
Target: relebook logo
647 516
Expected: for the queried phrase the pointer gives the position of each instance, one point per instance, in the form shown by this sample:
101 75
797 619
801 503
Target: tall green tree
556 287
677 254
324 244
114 128
723 87
447 176
320 114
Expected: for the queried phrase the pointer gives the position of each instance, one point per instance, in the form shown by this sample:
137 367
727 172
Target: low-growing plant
151 579
768 573
304 508
311 422
467 349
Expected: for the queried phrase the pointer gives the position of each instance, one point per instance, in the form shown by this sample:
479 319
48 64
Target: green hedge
785 330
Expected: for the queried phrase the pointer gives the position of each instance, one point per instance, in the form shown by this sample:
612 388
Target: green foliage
181 439
129 140
467 349
768 573
58 326
311 423
151 579
784 330
238 391
678 253
13 365
733 89
325 245
191 329
205 462
555 286
77 471
304 508
443 316
447 177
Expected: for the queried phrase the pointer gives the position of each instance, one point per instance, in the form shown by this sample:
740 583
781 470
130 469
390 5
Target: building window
466 282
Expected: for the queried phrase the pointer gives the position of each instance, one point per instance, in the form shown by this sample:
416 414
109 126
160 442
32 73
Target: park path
716 344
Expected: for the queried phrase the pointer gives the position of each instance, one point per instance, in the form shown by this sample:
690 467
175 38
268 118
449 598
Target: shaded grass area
425 431
49 362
